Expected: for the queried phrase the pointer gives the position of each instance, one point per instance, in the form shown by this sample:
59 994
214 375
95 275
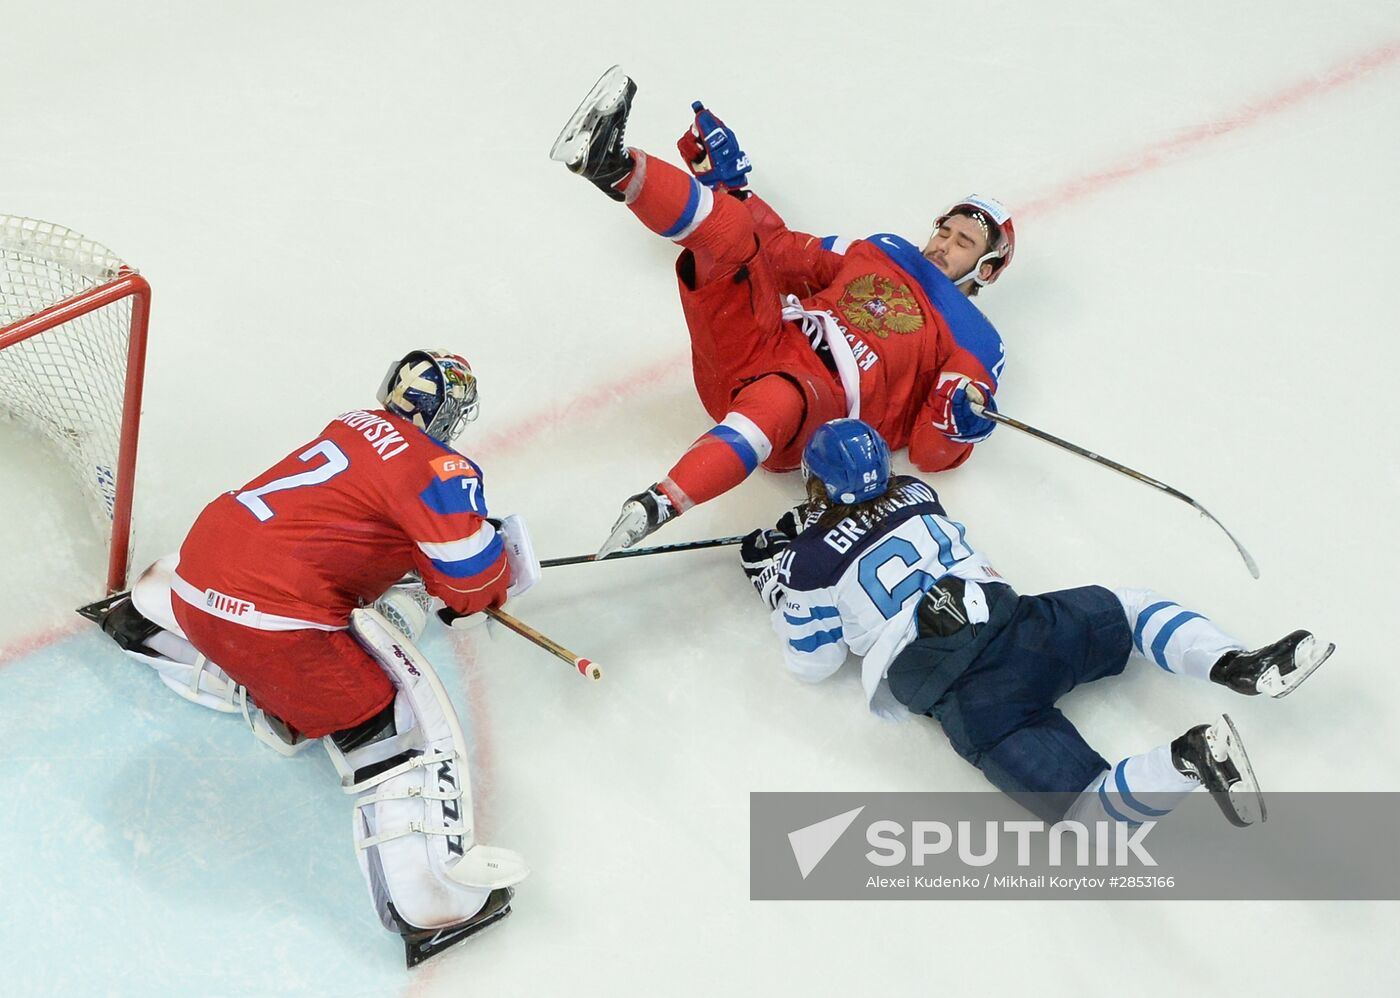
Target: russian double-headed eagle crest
875 304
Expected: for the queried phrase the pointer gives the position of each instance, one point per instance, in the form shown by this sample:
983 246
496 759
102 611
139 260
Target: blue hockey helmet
851 459
432 389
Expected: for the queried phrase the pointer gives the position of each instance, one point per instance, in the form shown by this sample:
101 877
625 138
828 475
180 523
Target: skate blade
617 540
420 946
1279 686
625 532
572 143
1245 798
96 612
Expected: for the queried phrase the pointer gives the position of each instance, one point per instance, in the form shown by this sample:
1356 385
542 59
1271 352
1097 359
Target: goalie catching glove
761 553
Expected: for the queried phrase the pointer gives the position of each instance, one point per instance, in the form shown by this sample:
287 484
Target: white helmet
992 215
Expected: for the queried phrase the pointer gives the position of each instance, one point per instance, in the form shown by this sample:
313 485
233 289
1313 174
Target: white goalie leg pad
413 821
520 554
151 594
198 681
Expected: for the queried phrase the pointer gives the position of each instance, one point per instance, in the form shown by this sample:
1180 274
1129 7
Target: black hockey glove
759 552
790 523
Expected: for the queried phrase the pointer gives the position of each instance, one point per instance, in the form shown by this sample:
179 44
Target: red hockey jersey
336 522
907 323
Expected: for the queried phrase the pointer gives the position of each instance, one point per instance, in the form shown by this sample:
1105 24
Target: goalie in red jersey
285 604
789 330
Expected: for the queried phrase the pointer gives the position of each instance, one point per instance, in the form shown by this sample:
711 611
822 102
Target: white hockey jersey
855 588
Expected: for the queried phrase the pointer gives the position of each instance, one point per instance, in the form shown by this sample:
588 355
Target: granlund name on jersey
855 587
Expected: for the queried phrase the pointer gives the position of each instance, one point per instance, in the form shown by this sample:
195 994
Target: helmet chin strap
972 274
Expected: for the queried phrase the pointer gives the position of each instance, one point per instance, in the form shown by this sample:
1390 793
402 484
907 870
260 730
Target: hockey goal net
72 352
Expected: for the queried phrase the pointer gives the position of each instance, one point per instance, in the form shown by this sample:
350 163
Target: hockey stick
584 667
580 559
1016 424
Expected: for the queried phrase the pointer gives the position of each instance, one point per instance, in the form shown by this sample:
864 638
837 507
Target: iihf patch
451 466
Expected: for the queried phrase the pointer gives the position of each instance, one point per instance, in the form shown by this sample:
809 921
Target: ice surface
1204 289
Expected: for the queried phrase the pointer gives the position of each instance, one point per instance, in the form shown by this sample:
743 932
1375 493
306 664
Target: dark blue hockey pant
1000 713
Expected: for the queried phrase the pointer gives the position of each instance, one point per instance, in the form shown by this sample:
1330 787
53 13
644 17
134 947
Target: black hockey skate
1275 669
419 944
591 144
1215 755
641 515
121 621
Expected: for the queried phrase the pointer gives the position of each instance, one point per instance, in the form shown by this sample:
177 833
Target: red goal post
73 320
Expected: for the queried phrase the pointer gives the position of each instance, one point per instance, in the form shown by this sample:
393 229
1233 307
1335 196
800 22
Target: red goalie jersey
336 522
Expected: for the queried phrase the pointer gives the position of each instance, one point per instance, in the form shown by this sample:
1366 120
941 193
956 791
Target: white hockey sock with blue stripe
1178 640
1140 788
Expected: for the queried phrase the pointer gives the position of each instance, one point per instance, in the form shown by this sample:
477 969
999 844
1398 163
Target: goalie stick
1016 424
583 666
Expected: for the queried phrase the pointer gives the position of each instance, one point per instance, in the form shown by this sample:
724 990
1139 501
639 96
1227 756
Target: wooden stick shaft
583 666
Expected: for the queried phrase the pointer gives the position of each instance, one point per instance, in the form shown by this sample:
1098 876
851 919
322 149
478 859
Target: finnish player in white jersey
873 565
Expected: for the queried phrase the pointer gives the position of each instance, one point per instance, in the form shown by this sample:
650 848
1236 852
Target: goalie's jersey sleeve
855 588
337 521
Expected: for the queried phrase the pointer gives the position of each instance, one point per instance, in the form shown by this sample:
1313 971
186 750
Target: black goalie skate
591 144
121 621
1275 669
419 944
1215 755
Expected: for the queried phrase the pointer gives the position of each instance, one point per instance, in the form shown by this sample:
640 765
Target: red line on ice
584 404
16 650
1175 147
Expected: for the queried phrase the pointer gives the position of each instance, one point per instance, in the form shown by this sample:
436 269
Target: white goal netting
64 375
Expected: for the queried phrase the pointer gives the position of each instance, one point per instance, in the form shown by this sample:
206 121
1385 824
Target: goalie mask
432 389
995 221
850 458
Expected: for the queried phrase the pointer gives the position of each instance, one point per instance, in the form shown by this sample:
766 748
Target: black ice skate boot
1214 754
1275 669
419 944
591 144
641 515
121 621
